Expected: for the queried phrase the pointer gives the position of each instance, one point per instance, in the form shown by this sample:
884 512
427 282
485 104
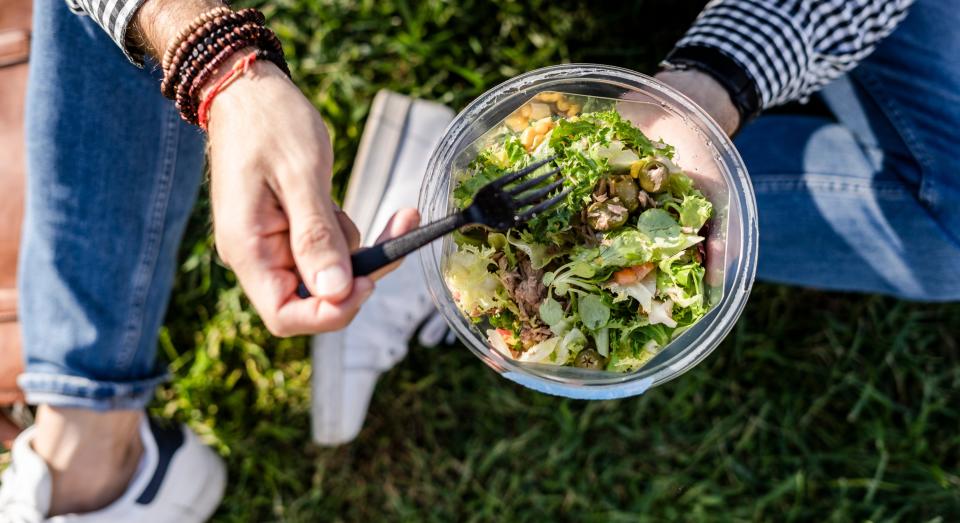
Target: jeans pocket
924 180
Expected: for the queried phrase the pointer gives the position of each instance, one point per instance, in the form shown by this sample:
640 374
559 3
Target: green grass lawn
819 406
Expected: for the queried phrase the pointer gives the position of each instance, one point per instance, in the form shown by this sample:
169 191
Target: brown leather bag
14 51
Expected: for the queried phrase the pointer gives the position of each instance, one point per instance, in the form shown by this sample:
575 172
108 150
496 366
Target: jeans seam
155 225
795 183
927 195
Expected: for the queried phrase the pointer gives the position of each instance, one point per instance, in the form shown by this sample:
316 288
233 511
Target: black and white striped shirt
114 16
789 48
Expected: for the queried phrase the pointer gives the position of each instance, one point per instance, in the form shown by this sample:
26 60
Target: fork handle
370 259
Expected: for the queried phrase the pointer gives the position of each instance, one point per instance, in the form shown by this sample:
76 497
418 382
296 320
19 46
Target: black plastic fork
495 205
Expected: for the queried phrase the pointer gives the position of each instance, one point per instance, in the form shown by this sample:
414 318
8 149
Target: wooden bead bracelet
201 34
208 16
196 75
205 45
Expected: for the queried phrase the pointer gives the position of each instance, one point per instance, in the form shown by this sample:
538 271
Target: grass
822 407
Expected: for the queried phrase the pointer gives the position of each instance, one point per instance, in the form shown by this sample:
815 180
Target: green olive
589 359
626 189
653 176
607 215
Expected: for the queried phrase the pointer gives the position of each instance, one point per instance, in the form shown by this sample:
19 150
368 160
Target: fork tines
522 194
500 182
537 209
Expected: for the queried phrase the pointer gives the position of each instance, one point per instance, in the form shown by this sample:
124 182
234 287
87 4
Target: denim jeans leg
834 214
113 175
868 202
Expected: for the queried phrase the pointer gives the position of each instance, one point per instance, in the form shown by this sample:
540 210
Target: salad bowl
706 155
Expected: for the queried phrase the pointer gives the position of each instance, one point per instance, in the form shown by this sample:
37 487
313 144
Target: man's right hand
274 221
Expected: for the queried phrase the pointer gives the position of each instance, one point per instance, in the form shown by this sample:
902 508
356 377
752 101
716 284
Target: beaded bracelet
208 16
240 67
205 50
190 86
196 30
201 48
200 70
265 40
202 35
193 81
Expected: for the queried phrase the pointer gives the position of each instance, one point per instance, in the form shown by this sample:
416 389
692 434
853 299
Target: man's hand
274 221
707 93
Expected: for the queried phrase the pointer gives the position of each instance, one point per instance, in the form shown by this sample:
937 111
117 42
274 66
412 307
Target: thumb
318 245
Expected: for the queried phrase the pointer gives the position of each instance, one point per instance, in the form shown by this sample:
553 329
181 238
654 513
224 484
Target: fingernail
332 280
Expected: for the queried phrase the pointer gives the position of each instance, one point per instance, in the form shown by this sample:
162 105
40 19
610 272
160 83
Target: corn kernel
548 97
539 111
635 168
563 106
537 140
526 138
543 126
517 123
574 110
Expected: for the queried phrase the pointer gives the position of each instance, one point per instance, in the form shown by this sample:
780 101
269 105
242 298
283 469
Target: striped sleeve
791 48
114 16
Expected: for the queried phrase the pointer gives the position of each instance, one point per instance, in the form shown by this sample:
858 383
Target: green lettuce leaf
474 287
551 312
694 211
538 253
593 312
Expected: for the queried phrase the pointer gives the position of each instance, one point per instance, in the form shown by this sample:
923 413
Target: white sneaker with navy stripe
398 138
179 480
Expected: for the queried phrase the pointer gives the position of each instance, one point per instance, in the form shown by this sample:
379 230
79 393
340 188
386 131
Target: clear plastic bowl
702 150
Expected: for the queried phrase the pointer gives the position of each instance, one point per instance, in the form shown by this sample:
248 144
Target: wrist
706 92
215 50
257 83
157 22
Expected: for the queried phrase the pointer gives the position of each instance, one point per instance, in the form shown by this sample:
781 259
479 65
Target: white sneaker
178 480
397 141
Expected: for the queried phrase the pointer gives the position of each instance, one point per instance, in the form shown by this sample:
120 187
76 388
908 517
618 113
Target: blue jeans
861 202
869 200
113 175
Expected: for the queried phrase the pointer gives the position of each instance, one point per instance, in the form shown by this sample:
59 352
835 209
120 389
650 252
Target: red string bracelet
203 112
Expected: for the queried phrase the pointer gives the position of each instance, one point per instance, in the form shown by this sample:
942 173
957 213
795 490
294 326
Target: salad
608 277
